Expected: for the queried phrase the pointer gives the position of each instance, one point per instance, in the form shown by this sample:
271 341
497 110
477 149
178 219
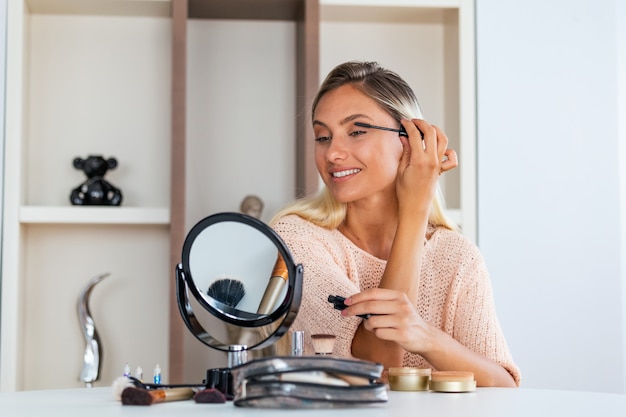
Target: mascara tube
297 343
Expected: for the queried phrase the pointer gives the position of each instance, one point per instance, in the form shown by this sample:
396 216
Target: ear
79 163
112 163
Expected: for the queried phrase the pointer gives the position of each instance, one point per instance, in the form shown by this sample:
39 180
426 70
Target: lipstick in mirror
278 279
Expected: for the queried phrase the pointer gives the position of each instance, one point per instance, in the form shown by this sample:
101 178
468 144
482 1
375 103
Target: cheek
389 160
320 158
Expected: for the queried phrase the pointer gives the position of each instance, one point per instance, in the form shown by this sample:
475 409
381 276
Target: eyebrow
344 120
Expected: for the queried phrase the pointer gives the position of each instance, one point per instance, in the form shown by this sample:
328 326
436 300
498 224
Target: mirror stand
237 355
246 258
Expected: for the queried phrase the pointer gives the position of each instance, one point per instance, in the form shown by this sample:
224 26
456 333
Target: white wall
621 111
550 114
3 23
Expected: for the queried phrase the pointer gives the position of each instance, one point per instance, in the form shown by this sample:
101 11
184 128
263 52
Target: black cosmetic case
307 382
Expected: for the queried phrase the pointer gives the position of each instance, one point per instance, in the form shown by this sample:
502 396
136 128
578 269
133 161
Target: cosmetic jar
452 381
409 379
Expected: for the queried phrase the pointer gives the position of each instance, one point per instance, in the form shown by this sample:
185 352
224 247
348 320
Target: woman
377 234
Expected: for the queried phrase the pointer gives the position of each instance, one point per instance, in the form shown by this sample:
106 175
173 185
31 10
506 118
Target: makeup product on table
140 396
409 379
297 343
157 374
274 288
452 381
119 385
139 373
127 369
209 396
308 382
338 304
323 344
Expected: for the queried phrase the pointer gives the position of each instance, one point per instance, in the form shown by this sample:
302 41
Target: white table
484 402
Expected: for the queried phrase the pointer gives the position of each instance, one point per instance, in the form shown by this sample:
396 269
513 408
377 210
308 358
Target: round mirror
245 287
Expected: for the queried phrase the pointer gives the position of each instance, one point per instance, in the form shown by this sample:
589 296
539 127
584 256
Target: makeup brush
140 396
323 344
209 396
279 278
119 385
227 291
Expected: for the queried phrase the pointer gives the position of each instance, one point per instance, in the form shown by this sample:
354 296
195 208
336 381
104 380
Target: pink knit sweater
455 290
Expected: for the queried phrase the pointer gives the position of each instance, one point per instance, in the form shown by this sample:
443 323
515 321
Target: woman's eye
322 139
357 133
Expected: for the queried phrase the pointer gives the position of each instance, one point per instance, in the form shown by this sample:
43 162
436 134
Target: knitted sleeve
475 323
324 273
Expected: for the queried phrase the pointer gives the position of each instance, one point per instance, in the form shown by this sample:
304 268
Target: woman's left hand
425 156
393 318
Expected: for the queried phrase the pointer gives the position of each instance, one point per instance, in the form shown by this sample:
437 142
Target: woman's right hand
393 318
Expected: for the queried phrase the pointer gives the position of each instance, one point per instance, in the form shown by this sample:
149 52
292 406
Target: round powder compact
409 379
452 381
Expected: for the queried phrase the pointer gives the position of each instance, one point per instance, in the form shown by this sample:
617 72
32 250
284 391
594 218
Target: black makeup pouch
307 382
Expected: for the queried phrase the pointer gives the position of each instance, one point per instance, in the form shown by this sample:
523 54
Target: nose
337 149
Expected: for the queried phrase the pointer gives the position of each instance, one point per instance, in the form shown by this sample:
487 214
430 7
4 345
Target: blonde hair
394 96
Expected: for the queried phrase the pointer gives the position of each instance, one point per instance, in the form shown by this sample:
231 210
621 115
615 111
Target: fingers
376 301
442 142
450 162
421 134
434 141
393 317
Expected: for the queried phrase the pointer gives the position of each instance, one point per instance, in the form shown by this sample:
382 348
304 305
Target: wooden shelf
94 215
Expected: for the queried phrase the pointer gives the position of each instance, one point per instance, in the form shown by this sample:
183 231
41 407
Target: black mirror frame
287 310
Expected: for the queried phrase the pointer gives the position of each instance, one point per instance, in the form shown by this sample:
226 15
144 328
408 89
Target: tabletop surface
484 402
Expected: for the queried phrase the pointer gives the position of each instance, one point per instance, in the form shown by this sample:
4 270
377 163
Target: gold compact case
452 381
409 379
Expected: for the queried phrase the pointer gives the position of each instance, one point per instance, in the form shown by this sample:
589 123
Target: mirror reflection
238 269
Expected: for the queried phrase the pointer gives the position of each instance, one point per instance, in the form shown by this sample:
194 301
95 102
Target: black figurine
96 191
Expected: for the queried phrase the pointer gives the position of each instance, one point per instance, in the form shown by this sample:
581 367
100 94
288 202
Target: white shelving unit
95 76
85 77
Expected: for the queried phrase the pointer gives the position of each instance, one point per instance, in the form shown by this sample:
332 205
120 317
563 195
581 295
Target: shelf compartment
158 8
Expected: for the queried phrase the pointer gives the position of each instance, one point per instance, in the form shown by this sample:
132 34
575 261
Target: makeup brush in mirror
275 286
227 291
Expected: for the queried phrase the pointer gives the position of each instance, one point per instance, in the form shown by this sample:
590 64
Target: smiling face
354 162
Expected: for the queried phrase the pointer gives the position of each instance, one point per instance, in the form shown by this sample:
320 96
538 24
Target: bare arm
419 168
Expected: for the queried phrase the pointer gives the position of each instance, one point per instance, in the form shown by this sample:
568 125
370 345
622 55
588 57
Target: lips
340 174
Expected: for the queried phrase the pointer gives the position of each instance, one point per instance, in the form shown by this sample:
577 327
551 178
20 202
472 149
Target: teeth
344 173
